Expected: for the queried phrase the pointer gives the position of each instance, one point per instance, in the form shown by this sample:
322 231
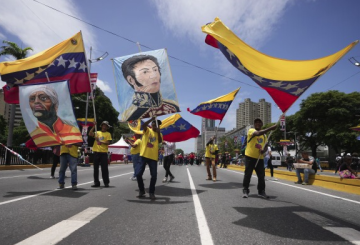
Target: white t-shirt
268 152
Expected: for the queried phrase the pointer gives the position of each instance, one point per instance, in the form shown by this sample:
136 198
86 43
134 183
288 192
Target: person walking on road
254 151
149 154
135 153
68 157
169 153
268 163
318 164
100 149
210 153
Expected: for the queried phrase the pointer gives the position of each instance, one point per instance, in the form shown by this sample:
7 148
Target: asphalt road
190 210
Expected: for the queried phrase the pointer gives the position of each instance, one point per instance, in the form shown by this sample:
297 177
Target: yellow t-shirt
136 150
254 147
149 147
211 148
103 137
73 150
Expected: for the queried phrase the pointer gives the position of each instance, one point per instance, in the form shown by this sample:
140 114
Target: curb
351 186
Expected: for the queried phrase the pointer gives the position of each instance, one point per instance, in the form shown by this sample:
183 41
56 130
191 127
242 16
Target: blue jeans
65 160
136 162
306 172
153 172
266 159
319 165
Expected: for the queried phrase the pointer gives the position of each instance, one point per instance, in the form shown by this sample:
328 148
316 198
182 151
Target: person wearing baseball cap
100 149
255 148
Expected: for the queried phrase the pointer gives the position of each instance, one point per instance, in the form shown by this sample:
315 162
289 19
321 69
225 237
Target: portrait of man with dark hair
143 74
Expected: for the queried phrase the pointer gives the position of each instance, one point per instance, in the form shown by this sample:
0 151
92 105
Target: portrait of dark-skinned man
51 129
142 72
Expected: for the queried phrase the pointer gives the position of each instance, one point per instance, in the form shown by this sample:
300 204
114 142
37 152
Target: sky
286 29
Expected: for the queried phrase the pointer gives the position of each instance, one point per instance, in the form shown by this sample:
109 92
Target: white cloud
252 21
104 86
40 27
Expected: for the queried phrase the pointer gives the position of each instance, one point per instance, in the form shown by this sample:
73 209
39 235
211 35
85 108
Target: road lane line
63 229
46 192
205 235
349 234
304 189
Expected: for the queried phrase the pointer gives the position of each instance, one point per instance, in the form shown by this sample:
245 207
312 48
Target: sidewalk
324 180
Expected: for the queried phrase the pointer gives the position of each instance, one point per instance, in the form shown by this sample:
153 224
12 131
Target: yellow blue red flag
215 109
177 129
64 61
284 80
136 126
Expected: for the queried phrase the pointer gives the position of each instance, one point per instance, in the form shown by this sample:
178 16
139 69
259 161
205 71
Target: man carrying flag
256 141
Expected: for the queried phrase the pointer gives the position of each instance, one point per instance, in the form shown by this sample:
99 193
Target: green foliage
231 146
14 50
104 112
178 151
3 130
20 134
325 119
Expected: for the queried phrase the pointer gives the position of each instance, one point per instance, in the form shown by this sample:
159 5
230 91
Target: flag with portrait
48 114
144 85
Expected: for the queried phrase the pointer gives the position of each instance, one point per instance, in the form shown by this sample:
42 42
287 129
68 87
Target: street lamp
354 61
292 132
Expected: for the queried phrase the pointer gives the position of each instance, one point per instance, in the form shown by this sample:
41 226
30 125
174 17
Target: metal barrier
36 157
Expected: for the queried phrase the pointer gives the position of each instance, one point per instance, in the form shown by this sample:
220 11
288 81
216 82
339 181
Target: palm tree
18 53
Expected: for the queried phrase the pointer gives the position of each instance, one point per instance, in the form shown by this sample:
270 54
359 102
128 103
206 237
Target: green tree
3 130
325 119
178 151
20 134
104 112
18 53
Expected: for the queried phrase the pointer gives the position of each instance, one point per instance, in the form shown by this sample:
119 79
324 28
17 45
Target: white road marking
205 235
304 189
347 233
63 229
46 192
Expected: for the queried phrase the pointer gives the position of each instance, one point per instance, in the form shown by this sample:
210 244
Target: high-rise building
5 109
248 111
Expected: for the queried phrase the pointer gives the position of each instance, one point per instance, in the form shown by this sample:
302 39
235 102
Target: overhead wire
142 45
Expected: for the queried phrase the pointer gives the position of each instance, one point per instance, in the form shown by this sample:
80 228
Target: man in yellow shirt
255 149
100 149
210 153
68 156
135 152
149 154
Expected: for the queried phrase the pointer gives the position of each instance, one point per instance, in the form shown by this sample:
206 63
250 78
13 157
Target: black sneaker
61 186
263 195
152 196
106 185
95 186
298 183
141 194
245 193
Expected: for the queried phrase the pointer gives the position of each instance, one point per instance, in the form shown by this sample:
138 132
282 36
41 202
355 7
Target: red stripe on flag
209 115
209 40
282 99
182 136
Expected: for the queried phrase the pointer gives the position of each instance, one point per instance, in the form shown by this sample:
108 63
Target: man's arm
307 162
264 131
91 133
145 125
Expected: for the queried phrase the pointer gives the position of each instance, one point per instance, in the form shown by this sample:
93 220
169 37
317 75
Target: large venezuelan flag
284 80
64 61
215 109
176 129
